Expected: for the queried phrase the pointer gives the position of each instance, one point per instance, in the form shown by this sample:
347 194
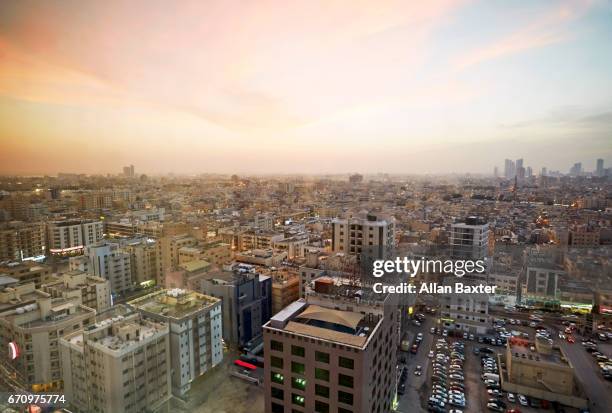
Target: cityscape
305 207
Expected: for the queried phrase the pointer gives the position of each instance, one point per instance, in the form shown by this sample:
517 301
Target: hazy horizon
314 87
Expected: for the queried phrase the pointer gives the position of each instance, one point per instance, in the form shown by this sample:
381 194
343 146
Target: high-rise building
469 239
465 312
196 330
363 232
22 240
544 171
599 170
144 260
69 237
509 170
331 354
108 261
576 169
34 321
247 302
128 171
119 364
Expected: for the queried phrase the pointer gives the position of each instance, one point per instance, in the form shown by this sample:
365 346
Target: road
411 400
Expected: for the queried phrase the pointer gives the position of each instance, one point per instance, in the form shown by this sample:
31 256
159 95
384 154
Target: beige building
34 321
196 330
330 353
541 370
285 289
91 291
19 240
364 231
27 272
144 260
120 364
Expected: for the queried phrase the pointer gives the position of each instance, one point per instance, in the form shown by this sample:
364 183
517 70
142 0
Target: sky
435 86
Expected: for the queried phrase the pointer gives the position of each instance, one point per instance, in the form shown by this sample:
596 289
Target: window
276 345
297 367
298 351
344 397
321 390
322 374
321 407
297 399
298 383
277 377
344 380
277 393
276 362
322 357
277 408
341 410
346 363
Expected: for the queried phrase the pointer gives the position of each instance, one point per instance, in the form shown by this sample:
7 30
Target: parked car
522 400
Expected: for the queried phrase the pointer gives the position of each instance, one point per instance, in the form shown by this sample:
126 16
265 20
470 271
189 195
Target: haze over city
314 87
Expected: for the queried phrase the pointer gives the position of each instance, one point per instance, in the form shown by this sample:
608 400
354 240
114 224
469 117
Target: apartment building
91 291
144 260
119 364
363 232
330 353
464 312
285 289
195 328
27 272
34 322
69 237
469 239
108 261
22 240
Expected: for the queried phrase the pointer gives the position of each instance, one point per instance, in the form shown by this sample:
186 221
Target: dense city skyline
221 87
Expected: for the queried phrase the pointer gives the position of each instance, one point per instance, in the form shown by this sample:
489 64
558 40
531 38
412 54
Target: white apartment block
108 261
120 364
469 239
71 236
196 331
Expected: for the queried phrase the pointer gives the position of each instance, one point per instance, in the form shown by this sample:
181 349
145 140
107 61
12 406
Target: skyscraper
599 170
509 169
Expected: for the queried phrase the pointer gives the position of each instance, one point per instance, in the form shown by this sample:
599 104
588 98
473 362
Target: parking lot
418 389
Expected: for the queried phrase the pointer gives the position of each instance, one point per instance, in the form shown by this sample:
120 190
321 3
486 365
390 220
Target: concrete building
21 240
330 353
27 272
464 312
247 302
34 321
69 237
362 232
285 289
196 328
108 261
144 260
91 291
469 239
120 364
542 371
262 257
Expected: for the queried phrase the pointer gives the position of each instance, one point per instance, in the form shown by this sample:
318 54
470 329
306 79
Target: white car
511 398
431 354
522 400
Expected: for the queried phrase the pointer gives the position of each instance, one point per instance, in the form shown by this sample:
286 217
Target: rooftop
345 327
175 303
